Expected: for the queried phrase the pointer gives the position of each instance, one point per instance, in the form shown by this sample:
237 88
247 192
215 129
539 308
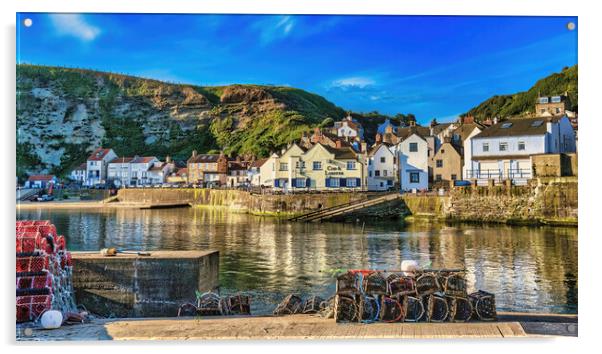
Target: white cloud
355 81
275 28
74 25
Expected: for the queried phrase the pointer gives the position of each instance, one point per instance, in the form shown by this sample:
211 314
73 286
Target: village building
140 167
551 106
159 171
413 157
286 169
207 168
382 168
254 172
119 171
504 150
448 164
79 174
325 137
96 166
349 128
41 181
237 173
178 176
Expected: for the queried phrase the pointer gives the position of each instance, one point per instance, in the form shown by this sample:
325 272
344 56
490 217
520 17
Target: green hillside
524 102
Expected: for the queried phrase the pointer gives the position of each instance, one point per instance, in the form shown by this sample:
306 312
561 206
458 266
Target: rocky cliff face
62 114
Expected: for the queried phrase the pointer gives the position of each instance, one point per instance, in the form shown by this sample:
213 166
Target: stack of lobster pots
426 295
43 271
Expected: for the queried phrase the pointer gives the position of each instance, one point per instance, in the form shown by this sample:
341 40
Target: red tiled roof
143 159
99 154
83 166
40 177
182 172
122 160
259 163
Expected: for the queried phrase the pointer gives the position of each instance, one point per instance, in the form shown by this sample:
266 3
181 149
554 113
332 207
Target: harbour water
530 269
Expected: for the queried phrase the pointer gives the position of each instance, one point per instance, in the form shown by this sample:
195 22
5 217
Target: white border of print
590 128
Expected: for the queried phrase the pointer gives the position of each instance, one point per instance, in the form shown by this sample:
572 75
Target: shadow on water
528 268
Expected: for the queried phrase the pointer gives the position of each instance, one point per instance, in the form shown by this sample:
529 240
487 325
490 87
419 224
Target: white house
254 172
413 160
467 150
119 171
79 174
504 150
96 166
159 171
382 168
349 128
140 166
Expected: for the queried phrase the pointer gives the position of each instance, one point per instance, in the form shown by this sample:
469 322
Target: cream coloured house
413 157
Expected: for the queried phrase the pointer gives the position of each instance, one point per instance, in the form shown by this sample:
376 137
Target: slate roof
516 127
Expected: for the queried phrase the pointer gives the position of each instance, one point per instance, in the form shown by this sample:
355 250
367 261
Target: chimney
378 138
412 123
168 159
389 129
193 153
338 144
363 147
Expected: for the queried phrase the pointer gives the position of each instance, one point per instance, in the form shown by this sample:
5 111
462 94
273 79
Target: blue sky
427 65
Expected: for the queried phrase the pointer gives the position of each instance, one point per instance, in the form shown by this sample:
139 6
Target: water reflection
529 269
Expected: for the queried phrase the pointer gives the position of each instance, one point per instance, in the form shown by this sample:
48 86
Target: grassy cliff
524 102
62 114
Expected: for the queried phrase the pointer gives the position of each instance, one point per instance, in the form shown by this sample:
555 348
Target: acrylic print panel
295 172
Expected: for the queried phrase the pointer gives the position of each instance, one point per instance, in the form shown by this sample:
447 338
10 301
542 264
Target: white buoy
409 267
51 319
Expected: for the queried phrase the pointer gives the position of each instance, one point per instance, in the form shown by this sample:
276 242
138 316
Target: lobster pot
290 305
427 284
187 310
239 304
312 305
401 285
413 308
437 309
345 308
375 283
31 307
483 304
454 284
209 304
460 308
391 310
346 284
368 308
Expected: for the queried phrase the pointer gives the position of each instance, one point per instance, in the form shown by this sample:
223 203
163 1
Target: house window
351 182
413 147
351 165
383 159
377 173
317 165
485 147
454 177
385 173
503 146
334 182
283 166
438 178
439 163
521 145
414 177
301 182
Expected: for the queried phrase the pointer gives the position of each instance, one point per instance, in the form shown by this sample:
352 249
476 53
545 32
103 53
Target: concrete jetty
130 285
302 327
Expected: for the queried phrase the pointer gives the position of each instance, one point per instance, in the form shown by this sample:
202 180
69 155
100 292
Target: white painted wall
413 162
386 169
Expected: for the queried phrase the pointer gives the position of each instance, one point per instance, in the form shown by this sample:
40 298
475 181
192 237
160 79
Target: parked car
45 198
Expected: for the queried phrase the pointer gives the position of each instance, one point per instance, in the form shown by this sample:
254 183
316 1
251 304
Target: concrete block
143 286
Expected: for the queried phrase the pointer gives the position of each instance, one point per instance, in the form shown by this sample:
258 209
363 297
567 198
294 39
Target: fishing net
209 304
327 308
460 308
290 305
312 305
483 304
391 310
437 309
413 308
427 284
401 285
345 309
375 283
368 308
